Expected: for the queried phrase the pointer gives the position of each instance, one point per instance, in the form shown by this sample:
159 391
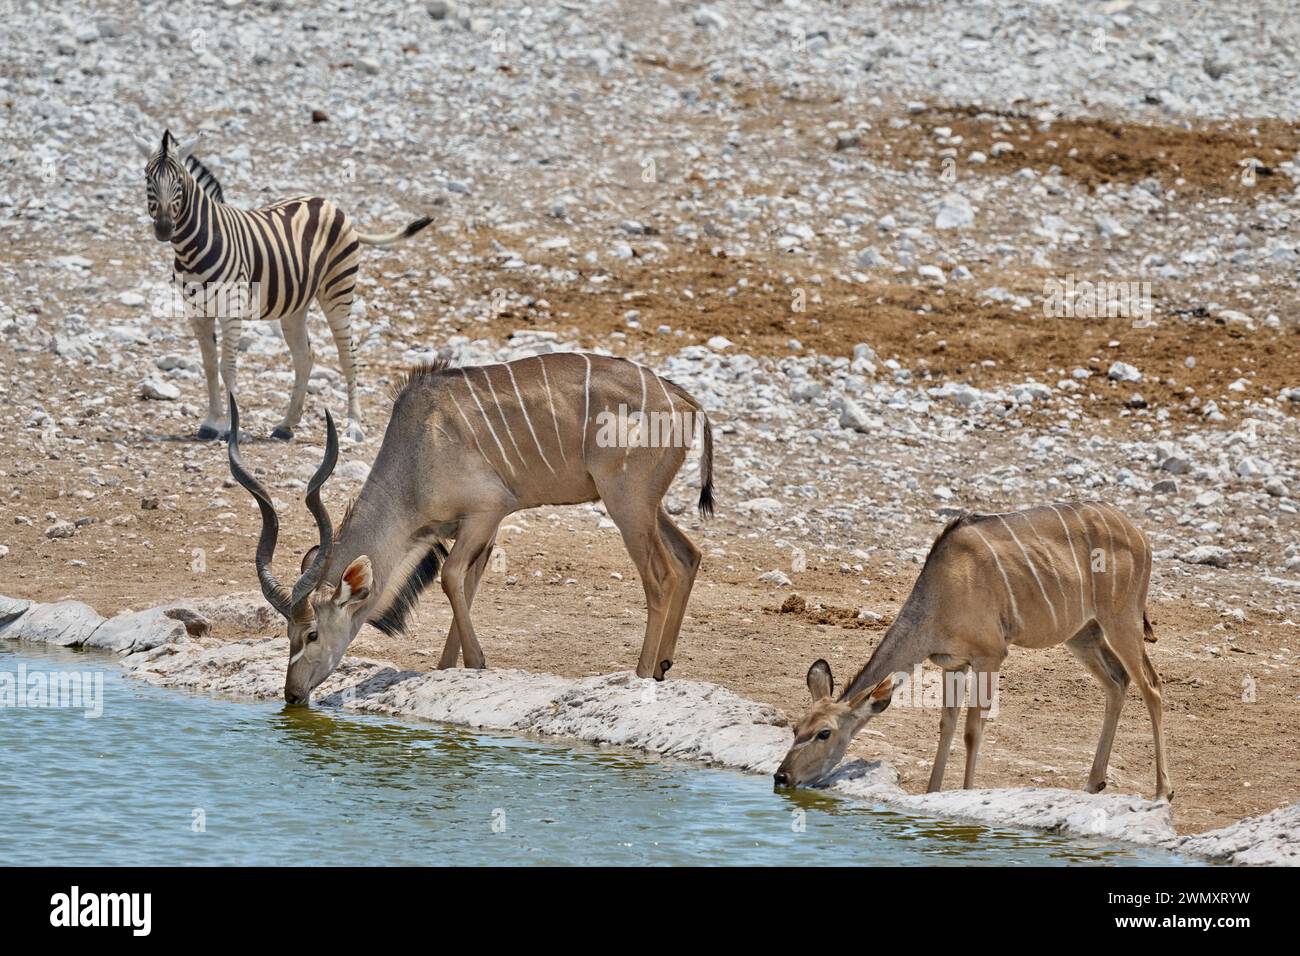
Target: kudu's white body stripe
1032 570
1015 609
1110 542
468 426
586 405
500 411
633 439
486 421
1060 585
1069 540
555 419
527 420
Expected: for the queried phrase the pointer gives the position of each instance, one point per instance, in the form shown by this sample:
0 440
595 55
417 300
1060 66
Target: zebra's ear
143 145
183 150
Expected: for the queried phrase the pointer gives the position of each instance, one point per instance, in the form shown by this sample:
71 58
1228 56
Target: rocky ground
847 229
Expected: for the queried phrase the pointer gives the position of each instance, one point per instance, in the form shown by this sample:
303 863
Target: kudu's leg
638 521
299 342
1125 640
981 685
451 650
1109 671
688 563
947 726
205 331
473 537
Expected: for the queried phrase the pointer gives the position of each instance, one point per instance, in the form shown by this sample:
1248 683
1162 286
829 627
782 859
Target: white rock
60 529
955 212
159 390
1123 372
1210 554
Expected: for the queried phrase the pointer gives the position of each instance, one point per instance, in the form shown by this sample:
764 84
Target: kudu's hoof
208 433
664 667
282 434
1101 786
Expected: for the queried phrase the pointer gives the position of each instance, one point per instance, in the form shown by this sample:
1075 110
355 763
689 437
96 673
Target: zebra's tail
393 237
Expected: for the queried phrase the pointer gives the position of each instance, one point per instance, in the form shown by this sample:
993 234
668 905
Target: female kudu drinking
464 448
1075 574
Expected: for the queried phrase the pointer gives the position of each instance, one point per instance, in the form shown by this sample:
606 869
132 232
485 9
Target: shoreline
690 720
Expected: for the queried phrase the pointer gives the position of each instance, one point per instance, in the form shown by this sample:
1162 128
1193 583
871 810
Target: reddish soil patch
1208 160
947 332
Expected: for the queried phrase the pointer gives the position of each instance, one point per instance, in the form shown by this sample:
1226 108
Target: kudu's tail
1148 632
706 469
393 237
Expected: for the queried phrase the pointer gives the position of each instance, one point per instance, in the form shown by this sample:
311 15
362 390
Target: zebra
266 263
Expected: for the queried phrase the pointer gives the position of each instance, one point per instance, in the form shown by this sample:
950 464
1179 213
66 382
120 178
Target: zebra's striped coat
263 264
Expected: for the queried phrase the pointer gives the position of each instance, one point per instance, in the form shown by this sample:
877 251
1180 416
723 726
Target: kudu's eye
824 735
311 636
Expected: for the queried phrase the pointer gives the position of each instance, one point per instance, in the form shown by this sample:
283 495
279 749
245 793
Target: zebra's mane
202 175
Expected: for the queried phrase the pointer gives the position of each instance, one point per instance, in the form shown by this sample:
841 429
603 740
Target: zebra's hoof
282 434
208 433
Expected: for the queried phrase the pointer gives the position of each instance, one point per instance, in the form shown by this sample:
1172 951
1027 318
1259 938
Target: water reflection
122 790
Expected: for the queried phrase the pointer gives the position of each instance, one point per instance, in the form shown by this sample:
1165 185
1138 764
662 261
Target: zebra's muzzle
163 229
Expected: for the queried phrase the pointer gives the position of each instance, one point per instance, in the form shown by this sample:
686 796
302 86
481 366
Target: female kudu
465 448
1075 574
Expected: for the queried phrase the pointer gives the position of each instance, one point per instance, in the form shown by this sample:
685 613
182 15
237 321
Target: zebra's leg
205 331
295 335
231 328
338 313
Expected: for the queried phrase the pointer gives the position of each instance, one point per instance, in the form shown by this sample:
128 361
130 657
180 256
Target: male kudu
1075 574
465 448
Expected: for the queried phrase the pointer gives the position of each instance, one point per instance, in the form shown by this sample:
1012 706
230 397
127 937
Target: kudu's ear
308 558
355 584
874 700
821 684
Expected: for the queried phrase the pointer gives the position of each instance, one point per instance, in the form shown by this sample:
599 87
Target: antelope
1075 574
465 448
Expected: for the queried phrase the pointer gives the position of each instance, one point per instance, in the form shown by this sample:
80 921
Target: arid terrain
849 266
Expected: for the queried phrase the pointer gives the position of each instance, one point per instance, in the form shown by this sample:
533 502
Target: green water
163 777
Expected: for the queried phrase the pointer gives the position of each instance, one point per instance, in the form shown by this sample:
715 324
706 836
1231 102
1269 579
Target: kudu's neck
377 530
904 645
